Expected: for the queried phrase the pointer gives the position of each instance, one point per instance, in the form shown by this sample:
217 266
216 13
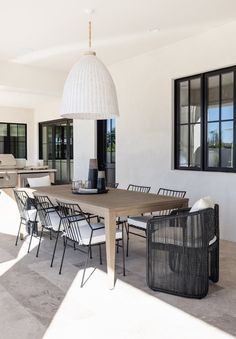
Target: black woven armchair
183 252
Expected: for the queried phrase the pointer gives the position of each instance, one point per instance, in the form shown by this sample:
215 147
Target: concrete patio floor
36 302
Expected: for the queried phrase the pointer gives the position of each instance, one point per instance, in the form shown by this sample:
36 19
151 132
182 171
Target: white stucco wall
145 127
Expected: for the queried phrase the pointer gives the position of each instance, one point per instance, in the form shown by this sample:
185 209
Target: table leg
110 227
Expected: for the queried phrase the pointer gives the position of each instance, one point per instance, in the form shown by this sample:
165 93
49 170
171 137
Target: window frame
204 121
8 138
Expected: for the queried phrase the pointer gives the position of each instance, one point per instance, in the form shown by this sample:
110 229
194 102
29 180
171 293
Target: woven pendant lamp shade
89 91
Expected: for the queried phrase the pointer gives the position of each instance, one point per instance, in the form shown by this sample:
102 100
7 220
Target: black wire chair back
44 207
137 188
72 219
24 203
170 193
28 214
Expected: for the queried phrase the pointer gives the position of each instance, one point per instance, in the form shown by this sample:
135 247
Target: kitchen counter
28 170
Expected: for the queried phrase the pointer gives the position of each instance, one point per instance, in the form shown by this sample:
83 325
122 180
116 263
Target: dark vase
101 184
93 173
92 178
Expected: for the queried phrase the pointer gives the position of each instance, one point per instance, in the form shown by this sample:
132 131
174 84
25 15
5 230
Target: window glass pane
195 100
213 98
183 146
113 147
108 149
227 144
58 168
108 126
64 172
195 149
21 150
50 155
213 144
2 150
13 149
21 130
227 95
13 130
49 132
45 152
3 130
44 134
113 124
184 101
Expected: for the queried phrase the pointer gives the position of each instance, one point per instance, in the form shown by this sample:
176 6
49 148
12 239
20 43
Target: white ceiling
53 33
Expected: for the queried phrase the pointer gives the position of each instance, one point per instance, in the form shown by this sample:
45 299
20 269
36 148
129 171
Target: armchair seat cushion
139 221
31 215
84 234
55 221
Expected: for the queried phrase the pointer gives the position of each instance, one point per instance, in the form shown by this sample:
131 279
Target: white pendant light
89 91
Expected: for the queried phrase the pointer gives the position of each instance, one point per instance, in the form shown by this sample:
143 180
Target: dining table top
119 201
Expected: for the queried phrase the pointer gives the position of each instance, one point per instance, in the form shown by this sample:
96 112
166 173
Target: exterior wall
145 127
25 116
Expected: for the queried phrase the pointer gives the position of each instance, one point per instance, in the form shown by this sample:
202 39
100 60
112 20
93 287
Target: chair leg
90 252
117 245
123 250
214 264
18 233
41 234
50 234
31 235
85 266
100 253
54 250
63 255
127 244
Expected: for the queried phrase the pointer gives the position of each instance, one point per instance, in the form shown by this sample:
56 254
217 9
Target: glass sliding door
56 148
106 148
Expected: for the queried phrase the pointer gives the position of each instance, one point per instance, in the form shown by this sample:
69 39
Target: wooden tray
86 193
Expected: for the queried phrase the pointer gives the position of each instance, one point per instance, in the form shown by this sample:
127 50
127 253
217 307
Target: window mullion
220 105
189 102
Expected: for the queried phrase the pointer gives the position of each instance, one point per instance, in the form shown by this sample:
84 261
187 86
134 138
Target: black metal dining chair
140 222
84 233
123 220
28 214
50 219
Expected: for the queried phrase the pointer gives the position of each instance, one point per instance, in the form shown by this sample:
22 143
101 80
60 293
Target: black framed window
13 139
205 119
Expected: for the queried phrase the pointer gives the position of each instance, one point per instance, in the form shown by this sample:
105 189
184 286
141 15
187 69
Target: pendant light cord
90 34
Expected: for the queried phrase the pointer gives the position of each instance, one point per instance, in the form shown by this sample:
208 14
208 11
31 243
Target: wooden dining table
115 203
